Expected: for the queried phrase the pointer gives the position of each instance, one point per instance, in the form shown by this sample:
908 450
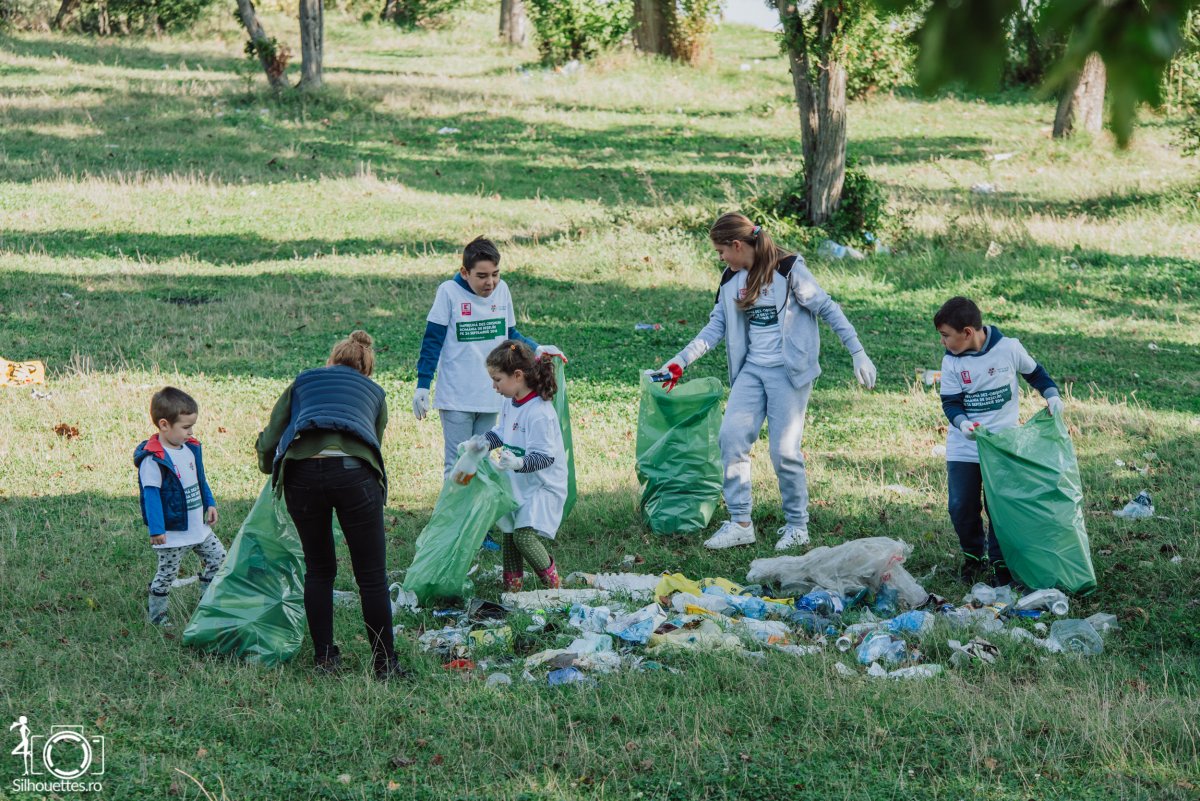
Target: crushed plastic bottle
881 645
852 634
1054 600
568 675
822 602
467 465
590 618
1103 623
647 327
1139 508
885 601
497 680
1077 637
829 249
913 622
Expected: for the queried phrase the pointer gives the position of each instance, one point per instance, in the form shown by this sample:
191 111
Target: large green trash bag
564 422
254 607
1035 502
679 455
449 542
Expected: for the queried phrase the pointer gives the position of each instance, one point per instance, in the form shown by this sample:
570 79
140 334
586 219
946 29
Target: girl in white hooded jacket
766 312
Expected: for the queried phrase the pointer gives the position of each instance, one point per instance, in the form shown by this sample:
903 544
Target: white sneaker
790 537
729 535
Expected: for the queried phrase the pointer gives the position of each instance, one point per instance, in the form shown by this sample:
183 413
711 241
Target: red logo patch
966 376
466 310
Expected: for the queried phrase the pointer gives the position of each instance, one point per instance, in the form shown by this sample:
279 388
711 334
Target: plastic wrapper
1035 502
843 569
679 455
254 608
448 543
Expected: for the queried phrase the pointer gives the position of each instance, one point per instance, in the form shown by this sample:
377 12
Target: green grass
220 239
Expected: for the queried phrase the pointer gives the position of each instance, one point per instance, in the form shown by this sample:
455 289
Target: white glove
549 350
420 403
510 461
1055 405
864 369
479 443
968 428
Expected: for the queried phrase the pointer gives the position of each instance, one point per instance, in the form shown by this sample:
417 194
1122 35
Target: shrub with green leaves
863 209
412 14
879 53
578 29
140 16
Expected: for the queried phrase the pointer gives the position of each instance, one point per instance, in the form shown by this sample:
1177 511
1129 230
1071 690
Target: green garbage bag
679 455
254 607
1035 502
564 422
448 543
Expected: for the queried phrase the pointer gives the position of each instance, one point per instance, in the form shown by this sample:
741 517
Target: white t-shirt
474 326
533 426
990 390
150 474
766 335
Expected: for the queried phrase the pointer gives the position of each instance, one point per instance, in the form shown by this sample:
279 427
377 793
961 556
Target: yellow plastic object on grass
19 374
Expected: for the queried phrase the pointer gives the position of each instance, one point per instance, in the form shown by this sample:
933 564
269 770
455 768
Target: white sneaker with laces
729 535
791 537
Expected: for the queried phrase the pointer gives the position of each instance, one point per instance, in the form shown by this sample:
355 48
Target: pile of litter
855 598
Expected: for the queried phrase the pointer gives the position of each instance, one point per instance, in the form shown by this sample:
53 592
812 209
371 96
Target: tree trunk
275 68
65 12
650 27
513 23
1081 104
820 87
312 41
102 26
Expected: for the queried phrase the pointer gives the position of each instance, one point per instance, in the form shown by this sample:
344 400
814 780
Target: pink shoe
549 577
512 581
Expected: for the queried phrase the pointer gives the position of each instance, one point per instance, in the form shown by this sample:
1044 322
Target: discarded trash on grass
1139 508
16 374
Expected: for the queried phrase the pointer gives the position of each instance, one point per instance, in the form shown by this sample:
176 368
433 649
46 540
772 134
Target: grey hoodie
803 301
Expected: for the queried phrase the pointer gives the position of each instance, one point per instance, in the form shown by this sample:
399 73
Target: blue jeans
964 482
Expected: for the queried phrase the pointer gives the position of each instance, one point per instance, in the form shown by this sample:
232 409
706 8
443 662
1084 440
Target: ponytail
355 351
510 356
733 227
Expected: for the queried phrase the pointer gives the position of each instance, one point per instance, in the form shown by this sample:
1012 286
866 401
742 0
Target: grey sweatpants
758 394
458 427
211 553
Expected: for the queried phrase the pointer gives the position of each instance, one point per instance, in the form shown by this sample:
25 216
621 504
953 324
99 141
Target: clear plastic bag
867 562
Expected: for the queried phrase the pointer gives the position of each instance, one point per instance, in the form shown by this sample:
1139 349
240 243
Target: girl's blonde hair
510 356
355 351
733 227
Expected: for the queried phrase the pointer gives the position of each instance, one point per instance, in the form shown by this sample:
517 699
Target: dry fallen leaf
66 430
201 752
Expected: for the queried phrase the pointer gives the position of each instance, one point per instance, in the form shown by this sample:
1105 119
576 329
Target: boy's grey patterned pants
211 553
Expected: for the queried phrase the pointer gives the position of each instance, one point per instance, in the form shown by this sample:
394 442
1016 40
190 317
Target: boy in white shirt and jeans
979 387
177 505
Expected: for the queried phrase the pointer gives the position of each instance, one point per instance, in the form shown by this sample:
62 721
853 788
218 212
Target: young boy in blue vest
177 505
979 387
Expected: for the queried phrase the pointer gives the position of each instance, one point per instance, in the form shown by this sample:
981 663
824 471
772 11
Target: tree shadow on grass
98 52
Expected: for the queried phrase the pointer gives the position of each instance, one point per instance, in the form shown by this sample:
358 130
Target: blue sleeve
431 351
513 333
152 505
206 495
954 408
1040 380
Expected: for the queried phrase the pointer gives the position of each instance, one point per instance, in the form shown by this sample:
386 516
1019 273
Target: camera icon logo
66 753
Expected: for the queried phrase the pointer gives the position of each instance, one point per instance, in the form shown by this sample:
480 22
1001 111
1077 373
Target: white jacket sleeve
810 295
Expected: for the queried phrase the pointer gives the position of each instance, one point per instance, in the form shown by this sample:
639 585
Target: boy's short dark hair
959 313
480 249
168 403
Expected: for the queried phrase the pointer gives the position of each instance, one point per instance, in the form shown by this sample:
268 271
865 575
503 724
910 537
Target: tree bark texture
257 35
514 26
1081 104
650 22
312 42
65 12
820 87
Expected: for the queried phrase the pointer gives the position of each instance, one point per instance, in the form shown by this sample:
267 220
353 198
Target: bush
689 27
861 216
1032 49
578 29
879 54
412 14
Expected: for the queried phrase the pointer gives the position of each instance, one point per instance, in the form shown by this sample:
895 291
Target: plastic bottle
467 465
1076 636
881 645
1140 507
851 634
1103 623
822 602
915 621
885 601
1054 600
647 327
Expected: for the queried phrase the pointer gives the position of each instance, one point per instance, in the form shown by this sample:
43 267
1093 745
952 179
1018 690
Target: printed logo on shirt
741 293
192 496
513 449
991 371
966 376
466 310
762 316
479 330
987 400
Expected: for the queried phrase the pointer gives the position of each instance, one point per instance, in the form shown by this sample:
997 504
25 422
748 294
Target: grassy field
164 220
